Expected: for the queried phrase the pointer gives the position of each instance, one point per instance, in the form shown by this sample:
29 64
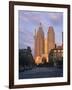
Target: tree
26 58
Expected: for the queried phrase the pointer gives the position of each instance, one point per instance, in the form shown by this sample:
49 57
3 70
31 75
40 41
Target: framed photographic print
39 44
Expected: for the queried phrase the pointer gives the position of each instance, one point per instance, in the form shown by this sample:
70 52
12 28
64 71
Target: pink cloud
54 17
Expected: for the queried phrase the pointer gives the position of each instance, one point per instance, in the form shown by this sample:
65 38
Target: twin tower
43 45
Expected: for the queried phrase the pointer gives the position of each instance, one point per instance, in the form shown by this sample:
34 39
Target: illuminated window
54 50
58 50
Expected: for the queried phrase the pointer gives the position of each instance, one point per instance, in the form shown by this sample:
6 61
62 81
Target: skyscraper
51 38
43 45
46 46
39 41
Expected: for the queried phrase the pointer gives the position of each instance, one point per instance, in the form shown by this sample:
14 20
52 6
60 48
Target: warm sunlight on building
46 46
43 45
38 60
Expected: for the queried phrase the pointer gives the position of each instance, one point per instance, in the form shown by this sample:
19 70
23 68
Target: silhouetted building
25 59
62 39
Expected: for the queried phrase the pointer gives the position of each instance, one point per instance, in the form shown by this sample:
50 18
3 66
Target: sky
28 21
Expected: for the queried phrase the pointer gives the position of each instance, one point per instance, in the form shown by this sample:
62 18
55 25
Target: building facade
39 44
56 55
51 39
43 45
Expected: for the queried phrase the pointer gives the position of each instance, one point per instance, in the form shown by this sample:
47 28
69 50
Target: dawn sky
30 20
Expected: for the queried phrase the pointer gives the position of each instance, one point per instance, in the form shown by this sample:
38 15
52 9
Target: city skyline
30 20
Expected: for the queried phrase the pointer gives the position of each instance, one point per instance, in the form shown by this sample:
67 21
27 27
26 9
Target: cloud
29 20
54 15
56 18
30 17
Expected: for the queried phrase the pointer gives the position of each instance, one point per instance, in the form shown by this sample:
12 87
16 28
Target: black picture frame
11 43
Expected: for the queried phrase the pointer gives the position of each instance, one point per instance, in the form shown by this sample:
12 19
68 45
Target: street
41 72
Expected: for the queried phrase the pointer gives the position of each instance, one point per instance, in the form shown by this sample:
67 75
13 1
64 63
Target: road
41 72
